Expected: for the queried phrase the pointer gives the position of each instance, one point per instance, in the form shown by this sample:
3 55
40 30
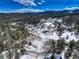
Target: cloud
30 2
43 1
72 8
39 3
27 2
23 10
66 8
29 10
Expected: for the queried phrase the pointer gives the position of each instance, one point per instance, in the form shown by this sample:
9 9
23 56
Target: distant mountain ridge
60 11
34 17
48 11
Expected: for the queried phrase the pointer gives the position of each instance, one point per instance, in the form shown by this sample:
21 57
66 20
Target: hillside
39 35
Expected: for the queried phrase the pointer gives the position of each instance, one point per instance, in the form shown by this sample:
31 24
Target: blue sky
37 5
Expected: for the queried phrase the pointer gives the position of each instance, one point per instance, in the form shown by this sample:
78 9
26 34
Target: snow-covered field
46 30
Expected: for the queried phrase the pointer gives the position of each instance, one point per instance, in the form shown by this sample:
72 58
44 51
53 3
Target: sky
37 5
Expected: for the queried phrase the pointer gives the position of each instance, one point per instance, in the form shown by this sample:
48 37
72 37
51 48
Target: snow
63 55
44 37
60 20
14 23
26 56
50 36
47 23
70 35
39 38
5 53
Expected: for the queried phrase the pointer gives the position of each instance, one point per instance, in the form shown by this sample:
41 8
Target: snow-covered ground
45 31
